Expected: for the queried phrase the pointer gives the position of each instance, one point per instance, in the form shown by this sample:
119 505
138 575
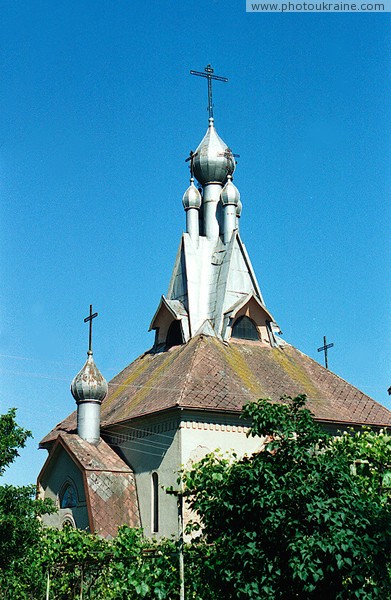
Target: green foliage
369 454
78 564
291 521
141 568
73 563
12 438
308 518
19 525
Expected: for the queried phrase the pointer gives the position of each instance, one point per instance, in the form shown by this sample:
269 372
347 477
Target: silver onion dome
230 193
89 384
213 160
192 197
239 207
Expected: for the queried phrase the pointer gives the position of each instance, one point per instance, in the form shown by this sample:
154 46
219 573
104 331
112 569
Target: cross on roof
324 349
191 158
208 74
86 320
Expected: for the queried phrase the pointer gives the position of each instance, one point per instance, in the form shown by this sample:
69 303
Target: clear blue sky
98 113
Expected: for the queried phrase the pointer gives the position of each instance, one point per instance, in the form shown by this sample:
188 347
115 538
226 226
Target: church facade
216 347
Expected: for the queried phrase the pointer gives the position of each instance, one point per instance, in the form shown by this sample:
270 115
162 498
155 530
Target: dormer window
174 335
244 328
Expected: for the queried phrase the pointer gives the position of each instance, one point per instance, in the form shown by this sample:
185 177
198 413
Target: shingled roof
109 483
207 374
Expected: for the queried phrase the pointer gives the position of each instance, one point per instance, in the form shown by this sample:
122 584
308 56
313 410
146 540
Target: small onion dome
239 207
230 193
213 160
192 197
89 384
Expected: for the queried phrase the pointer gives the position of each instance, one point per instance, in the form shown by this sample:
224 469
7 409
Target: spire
213 281
89 388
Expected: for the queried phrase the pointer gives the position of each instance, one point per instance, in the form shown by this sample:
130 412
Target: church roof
91 457
109 483
208 374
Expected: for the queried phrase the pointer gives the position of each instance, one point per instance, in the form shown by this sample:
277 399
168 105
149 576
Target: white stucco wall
149 447
165 445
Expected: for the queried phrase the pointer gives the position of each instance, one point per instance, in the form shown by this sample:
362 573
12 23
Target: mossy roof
207 374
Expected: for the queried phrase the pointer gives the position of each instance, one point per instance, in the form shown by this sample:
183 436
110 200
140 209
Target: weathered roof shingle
208 374
109 485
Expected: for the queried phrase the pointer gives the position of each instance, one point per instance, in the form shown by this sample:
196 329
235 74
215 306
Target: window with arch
155 502
68 496
68 522
244 328
174 335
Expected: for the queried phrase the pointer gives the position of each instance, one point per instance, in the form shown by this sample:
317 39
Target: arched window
174 335
68 497
155 502
244 328
68 522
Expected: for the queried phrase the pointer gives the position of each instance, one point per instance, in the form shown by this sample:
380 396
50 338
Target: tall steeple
213 283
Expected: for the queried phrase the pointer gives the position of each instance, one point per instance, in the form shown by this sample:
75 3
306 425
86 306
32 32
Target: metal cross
89 318
324 349
228 153
191 158
209 76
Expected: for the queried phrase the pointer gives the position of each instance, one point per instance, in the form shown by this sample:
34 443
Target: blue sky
98 114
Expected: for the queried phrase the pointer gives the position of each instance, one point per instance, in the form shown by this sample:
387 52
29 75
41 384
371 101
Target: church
217 346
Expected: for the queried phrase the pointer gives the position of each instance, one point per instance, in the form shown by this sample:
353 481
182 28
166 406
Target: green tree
20 528
141 568
74 563
369 454
71 563
291 521
12 438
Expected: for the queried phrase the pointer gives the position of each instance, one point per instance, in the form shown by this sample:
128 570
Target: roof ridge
329 372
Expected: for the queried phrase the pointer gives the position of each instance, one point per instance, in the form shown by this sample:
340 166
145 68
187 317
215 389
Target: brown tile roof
110 485
208 374
91 457
113 501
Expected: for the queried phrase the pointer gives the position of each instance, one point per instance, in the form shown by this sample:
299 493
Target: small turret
89 388
230 198
192 202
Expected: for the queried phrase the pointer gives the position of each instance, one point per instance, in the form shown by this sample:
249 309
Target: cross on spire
324 349
190 159
86 320
208 74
